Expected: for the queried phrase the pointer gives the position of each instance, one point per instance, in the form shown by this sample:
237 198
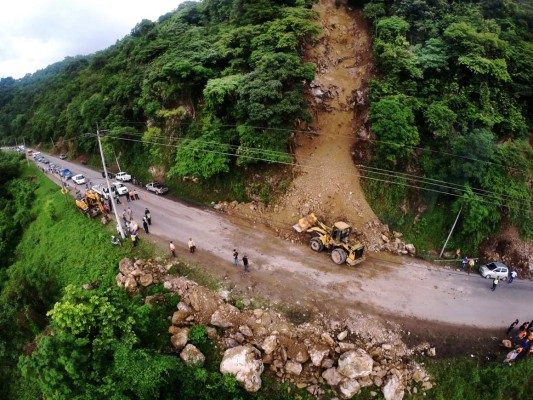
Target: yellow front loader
334 239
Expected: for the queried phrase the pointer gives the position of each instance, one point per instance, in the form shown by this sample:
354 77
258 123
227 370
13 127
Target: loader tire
339 256
316 244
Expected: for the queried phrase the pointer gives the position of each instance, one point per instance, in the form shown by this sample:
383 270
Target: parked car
62 156
157 188
36 154
120 188
109 174
45 161
66 173
491 270
123 176
79 179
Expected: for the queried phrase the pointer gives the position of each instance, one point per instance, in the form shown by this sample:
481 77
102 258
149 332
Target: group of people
520 340
244 260
132 195
130 226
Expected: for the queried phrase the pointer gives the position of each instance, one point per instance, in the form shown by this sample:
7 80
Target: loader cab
341 231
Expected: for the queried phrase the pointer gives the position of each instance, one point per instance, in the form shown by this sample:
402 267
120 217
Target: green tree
393 123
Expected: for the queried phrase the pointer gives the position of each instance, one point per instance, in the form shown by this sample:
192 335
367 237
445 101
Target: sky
37 33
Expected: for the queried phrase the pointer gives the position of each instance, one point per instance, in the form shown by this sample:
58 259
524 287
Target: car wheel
488 276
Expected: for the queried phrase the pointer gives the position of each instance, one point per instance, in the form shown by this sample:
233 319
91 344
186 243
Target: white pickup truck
104 191
123 176
120 188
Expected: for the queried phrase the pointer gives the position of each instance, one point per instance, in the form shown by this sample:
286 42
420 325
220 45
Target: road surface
383 284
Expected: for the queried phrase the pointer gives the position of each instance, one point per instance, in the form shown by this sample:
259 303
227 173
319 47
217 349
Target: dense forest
218 85
452 111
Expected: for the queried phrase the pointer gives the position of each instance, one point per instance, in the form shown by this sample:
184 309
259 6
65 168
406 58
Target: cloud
37 33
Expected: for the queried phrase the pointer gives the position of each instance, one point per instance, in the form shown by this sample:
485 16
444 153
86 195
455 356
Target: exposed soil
326 181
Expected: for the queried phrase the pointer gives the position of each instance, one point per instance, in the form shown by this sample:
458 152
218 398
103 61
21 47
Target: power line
317 168
388 173
346 136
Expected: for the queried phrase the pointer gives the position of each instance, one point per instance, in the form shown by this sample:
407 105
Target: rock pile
309 354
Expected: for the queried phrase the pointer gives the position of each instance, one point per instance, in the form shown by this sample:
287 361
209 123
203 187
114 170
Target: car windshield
491 266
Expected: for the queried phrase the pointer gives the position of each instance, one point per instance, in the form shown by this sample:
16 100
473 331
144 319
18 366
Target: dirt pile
345 354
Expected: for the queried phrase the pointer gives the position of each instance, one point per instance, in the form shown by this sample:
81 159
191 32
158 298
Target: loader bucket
305 223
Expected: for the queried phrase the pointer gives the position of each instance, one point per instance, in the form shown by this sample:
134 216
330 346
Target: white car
120 188
79 179
490 271
123 176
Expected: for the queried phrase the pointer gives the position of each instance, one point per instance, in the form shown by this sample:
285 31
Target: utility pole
451 231
111 196
51 141
116 159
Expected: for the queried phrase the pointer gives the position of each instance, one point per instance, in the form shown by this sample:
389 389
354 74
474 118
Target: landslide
326 180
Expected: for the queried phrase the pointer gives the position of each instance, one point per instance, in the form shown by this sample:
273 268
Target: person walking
235 257
512 275
245 262
172 249
131 194
128 197
512 326
136 194
192 246
495 283
145 225
148 216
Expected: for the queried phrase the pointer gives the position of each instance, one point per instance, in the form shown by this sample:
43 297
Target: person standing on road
235 257
128 197
471 263
125 216
172 249
145 225
136 194
192 246
148 216
512 326
512 275
245 262
134 238
495 283
129 214
463 264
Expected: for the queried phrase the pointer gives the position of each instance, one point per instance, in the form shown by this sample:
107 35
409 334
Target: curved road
384 284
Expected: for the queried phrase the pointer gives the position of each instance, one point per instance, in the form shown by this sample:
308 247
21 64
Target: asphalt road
383 284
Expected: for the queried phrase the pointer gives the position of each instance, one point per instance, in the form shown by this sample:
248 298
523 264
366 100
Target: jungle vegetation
452 110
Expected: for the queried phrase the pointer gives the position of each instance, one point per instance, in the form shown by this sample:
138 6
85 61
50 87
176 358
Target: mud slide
327 182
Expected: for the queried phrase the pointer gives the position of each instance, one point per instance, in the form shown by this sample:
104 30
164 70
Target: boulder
211 333
221 317
192 356
349 388
125 266
179 317
180 338
432 352
244 362
346 346
298 352
410 248
341 336
327 339
146 280
331 376
427 385
293 368
317 352
419 375
269 344
130 284
120 279
355 364
245 330
393 390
